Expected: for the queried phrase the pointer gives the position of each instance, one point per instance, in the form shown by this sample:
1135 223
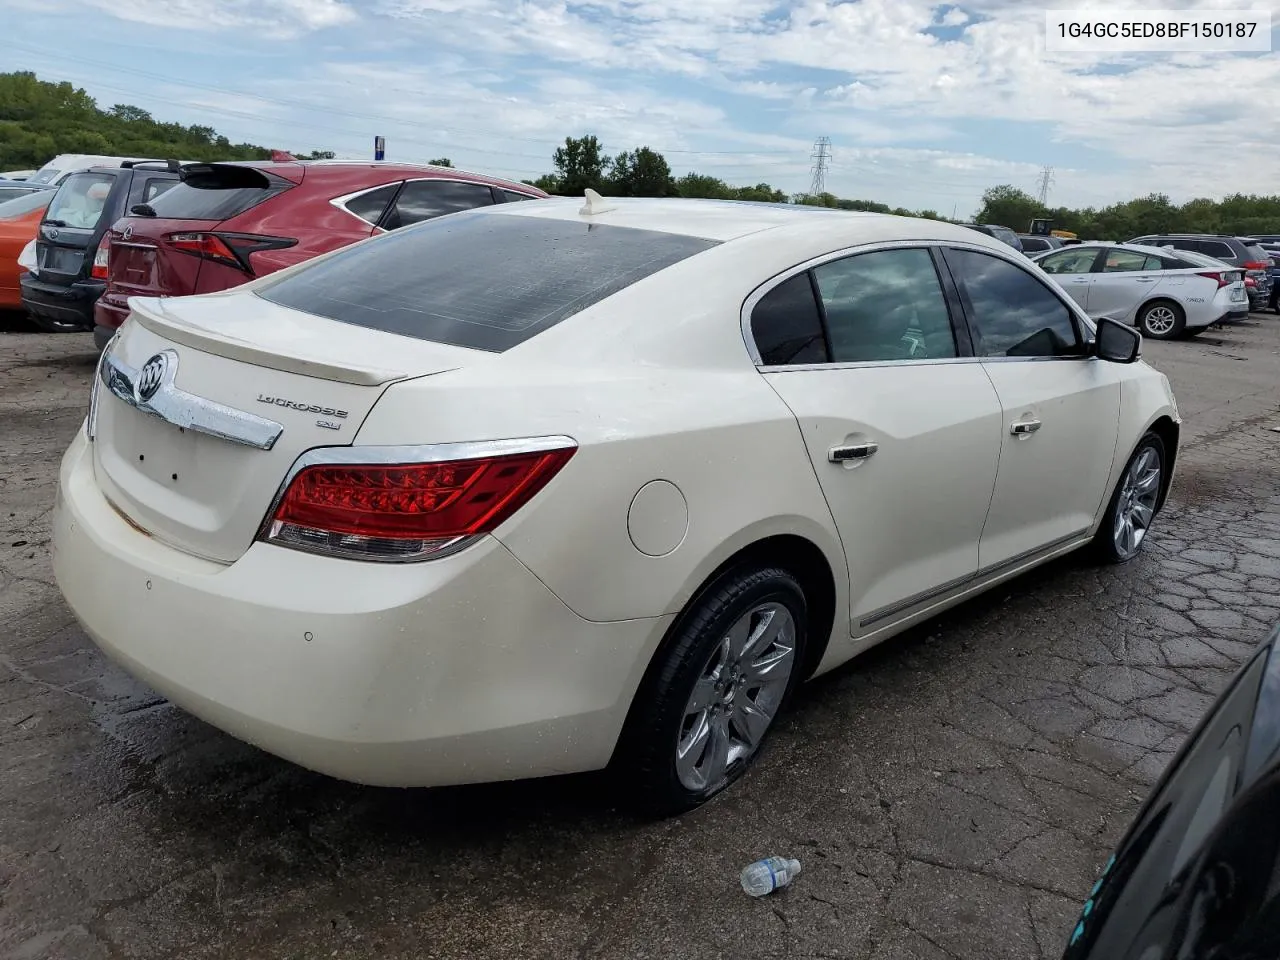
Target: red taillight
1256 265
407 511
1222 278
1250 282
102 259
230 249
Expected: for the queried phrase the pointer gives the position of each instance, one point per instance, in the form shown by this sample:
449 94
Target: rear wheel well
1167 431
803 560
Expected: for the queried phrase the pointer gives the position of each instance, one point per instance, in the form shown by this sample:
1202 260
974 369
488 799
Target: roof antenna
595 204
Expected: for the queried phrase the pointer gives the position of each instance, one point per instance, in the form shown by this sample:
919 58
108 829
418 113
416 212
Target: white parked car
1166 293
540 487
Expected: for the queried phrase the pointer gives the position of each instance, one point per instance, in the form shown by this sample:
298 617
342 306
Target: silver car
1166 293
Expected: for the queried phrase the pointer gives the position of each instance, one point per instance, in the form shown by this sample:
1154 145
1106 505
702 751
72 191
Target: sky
925 104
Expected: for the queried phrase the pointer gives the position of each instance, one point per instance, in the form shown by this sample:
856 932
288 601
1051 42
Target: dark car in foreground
225 224
70 271
1003 234
1197 877
1241 252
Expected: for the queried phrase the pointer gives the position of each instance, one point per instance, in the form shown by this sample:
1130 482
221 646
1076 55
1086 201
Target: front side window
1128 261
787 326
1010 312
886 305
1079 260
81 199
427 199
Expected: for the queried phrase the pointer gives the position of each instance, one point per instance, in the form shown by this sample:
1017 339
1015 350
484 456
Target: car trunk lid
70 225
244 388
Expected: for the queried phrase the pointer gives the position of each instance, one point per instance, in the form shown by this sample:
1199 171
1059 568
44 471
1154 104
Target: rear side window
215 192
25 204
509 196
81 199
371 205
1077 261
155 187
1128 261
786 325
1214 248
427 199
479 280
1034 244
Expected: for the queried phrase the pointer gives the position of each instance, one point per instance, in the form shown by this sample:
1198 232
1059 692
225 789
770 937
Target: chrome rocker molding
160 397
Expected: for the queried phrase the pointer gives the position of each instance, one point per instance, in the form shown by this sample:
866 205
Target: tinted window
1128 261
427 199
432 281
1034 244
215 192
786 325
10 193
886 305
1011 313
1256 254
372 205
25 204
509 196
81 199
1079 260
154 188
1214 248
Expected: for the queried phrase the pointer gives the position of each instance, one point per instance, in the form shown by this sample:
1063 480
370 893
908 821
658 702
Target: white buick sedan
546 487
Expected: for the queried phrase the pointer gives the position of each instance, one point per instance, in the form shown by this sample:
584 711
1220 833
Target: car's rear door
1073 269
426 199
69 232
1061 409
903 433
1123 279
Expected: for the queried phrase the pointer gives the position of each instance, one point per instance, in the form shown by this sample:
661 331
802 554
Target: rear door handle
855 451
1146 279
1022 428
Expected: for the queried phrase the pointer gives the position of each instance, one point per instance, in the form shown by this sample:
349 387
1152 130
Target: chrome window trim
764 289
394 455
186 410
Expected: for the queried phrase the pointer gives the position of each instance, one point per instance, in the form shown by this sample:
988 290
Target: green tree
1007 206
580 164
441 162
641 173
701 186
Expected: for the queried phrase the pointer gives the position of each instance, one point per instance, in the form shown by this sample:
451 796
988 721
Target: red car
226 223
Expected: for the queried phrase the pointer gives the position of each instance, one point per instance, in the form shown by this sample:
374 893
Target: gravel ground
951 794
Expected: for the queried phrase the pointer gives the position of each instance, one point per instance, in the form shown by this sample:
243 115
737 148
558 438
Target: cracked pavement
952 794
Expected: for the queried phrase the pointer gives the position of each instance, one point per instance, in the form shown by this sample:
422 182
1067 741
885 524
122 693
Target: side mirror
1117 342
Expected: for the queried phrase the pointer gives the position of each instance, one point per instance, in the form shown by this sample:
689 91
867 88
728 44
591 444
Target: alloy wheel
736 696
1137 504
1160 320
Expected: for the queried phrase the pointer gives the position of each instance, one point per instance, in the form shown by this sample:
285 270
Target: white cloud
282 18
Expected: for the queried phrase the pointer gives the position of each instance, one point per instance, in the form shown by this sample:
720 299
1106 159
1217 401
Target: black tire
1162 320
1106 542
644 765
55 326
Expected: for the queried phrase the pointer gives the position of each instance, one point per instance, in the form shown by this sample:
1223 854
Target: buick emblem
128 232
151 376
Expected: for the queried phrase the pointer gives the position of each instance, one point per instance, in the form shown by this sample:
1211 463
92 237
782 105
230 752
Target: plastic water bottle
767 875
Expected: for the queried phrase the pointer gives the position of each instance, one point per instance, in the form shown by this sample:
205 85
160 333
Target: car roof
356 172
726 220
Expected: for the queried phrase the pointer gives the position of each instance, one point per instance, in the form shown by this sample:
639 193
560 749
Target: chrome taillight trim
407 455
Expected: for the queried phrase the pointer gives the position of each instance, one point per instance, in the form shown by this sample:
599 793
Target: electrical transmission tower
821 158
1046 181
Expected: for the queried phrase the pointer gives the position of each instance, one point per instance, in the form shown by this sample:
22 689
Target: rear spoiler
230 176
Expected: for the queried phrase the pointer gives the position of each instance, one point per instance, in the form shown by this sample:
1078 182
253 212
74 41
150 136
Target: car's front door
1073 269
1061 409
1123 280
902 431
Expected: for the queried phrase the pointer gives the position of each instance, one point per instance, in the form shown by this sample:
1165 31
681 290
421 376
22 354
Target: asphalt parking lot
952 794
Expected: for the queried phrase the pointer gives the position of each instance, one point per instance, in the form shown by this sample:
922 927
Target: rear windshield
25 204
81 199
1256 253
219 193
479 280
47 175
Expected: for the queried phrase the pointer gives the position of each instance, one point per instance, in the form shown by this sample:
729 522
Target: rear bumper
462 669
1234 315
107 312
64 304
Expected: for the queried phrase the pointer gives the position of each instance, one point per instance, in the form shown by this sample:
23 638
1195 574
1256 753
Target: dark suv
1242 252
70 271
